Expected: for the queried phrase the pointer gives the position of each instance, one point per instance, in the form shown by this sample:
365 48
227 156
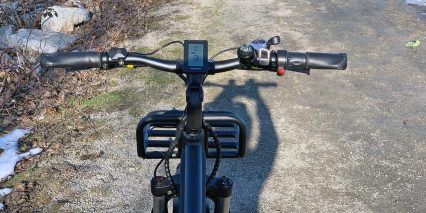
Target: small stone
20 201
5 122
98 155
55 146
5 32
85 157
19 187
31 185
47 94
26 209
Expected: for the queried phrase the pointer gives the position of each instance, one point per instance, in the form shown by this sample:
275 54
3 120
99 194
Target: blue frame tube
193 157
193 177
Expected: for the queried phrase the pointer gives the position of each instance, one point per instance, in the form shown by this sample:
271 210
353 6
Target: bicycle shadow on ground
249 174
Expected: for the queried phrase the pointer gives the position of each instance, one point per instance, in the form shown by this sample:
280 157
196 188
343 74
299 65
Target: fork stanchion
160 187
220 190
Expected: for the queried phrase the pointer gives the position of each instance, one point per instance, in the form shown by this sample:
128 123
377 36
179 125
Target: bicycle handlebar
161 64
223 66
86 60
294 61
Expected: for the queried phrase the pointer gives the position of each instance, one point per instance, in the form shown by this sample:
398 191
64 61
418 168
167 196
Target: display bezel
195 69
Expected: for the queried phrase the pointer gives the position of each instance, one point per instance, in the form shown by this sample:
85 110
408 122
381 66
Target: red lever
280 71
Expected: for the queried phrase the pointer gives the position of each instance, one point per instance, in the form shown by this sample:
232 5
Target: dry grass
41 100
112 23
26 94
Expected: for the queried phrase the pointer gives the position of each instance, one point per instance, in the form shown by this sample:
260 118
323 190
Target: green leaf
415 43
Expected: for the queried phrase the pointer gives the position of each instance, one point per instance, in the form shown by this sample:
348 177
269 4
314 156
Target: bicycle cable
170 150
219 53
162 47
223 51
218 150
156 167
161 161
169 153
175 143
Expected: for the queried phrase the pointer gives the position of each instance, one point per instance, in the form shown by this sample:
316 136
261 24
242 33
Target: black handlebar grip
303 62
75 60
336 61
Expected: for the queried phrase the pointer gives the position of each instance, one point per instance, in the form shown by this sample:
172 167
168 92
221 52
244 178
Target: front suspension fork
219 190
161 189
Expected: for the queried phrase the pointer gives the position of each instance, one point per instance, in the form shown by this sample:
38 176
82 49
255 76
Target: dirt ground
333 141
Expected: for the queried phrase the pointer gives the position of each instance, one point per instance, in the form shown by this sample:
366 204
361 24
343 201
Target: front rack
156 131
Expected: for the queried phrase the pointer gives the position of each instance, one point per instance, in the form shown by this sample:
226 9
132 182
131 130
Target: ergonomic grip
78 60
336 61
298 61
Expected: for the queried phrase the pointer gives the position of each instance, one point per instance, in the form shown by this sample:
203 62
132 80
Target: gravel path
333 141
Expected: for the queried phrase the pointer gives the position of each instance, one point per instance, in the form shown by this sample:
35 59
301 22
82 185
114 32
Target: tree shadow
250 173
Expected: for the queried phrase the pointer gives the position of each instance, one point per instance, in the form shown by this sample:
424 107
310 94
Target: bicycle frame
191 180
193 158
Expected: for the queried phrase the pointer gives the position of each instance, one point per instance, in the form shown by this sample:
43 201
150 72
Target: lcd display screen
195 55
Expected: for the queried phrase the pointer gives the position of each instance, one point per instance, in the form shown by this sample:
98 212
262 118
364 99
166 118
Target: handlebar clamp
118 55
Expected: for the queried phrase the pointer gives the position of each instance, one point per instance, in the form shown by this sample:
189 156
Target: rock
21 14
5 123
20 201
5 32
9 6
26 209
63 19
40 41
416 2
5 59
31 186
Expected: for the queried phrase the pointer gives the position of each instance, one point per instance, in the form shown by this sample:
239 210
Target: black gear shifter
273 41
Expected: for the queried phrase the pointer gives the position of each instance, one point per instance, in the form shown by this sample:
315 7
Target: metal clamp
264 56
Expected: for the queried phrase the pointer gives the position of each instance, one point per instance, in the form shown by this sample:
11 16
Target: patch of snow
36 151
4 192
11 155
